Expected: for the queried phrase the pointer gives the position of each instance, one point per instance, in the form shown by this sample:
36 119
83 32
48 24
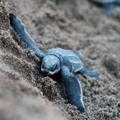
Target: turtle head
50 64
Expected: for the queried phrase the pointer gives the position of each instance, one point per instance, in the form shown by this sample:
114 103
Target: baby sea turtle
108 5
55 60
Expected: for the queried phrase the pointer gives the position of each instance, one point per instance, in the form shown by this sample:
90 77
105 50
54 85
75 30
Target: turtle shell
117 1
69 58
105 1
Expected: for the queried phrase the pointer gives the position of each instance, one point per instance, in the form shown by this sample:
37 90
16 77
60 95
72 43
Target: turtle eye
54 68
43 66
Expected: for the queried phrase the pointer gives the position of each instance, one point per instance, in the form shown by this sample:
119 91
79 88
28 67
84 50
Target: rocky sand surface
25 93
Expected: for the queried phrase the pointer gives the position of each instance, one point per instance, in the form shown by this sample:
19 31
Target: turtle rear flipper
89 73
109 7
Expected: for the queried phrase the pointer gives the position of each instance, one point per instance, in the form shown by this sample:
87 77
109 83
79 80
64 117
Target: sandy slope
71 24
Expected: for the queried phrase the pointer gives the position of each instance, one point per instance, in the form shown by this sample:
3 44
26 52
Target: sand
25 93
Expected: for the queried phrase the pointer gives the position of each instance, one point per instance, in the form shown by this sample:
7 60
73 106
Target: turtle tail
89 73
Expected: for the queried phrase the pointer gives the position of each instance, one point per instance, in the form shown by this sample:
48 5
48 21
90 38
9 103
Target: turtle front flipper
109 7
89 73
73 89
19 28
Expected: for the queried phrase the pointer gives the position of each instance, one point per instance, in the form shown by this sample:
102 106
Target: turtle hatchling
108 5
58 60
